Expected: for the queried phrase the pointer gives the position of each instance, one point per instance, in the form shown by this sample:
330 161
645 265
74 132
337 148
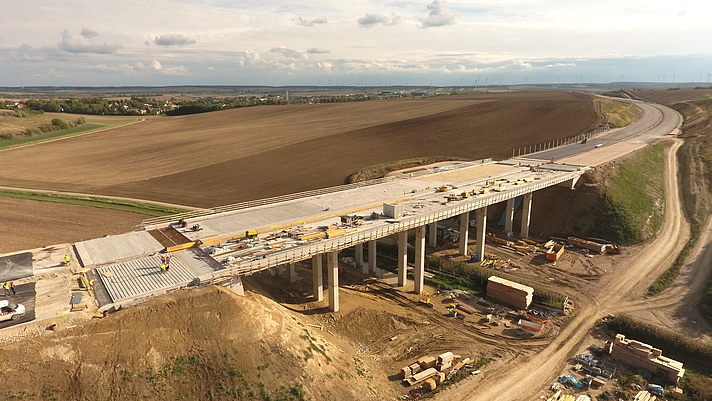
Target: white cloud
173 39
82 42
289 53
440 15
316 21
560 65
157 66
318 50
370 20
89 33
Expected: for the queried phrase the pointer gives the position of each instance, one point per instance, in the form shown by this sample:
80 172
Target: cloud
173 39
82 42
317 21
370 20
318 50
157 66
289 53
326 68
89 33
440 15
560 65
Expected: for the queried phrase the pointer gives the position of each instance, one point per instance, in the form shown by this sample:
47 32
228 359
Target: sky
353 43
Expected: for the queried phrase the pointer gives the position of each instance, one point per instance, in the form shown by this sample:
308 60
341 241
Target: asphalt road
25 296
657 122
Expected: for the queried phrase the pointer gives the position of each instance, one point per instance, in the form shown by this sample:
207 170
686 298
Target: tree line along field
241 154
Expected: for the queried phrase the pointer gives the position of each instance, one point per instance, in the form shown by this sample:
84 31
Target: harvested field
33 224
673 96
241 154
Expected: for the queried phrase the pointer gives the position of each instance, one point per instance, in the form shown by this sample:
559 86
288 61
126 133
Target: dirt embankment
204 344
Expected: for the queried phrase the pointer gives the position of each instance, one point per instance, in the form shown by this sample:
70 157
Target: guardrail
559 142
156 222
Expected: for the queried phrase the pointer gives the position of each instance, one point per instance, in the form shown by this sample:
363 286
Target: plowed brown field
241 154
674 96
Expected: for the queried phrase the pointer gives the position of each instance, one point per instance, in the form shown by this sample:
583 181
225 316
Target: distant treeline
175 107
132 106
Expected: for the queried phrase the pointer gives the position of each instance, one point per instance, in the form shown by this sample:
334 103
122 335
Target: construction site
434 287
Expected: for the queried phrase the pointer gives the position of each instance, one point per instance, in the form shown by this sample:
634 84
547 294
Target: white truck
10 310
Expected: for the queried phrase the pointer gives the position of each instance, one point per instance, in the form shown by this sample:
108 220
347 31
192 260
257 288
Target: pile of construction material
522 247
554 250
644 396
560 396
586 244
432 371
515 294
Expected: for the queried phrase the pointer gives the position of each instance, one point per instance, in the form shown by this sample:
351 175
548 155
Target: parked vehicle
10 310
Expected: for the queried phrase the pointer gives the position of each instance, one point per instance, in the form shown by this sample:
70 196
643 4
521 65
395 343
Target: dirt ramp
203 344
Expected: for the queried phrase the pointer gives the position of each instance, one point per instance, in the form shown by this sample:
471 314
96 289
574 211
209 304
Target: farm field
34 224
674 96
235 155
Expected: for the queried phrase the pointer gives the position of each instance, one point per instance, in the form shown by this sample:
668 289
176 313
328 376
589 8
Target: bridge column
292 272
509 216
464 232
481 216
371 256
359 259
526 214
317 278
402 258
332 272
419 259
281 269
433 234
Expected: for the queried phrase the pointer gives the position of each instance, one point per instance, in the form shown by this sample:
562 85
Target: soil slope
242 154
193 345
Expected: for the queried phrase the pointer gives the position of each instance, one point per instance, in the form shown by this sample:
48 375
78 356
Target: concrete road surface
657 122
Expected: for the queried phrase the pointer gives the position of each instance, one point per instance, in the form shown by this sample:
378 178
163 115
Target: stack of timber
644 396
590 245
518 295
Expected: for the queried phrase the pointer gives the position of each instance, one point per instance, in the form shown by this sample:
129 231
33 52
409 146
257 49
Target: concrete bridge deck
137 274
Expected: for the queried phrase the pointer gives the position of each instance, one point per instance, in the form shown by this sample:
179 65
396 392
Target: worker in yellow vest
66 260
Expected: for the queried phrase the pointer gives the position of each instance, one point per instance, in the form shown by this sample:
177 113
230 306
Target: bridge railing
164 220
306 251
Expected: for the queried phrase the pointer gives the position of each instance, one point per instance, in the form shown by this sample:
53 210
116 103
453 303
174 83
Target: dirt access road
529 378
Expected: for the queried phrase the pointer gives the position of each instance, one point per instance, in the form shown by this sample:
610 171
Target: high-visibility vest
6 286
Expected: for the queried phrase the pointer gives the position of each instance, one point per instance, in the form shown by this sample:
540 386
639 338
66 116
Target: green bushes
59 123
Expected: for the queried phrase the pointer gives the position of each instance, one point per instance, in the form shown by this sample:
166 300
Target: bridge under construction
222 244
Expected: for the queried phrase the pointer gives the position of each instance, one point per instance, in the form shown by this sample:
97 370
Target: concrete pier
372 249
402 258
317 278
481 216
419 271
526 215
509 216
464 232
359 259
332 271
292 273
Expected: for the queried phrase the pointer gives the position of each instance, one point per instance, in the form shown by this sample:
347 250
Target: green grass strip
52 135
146 208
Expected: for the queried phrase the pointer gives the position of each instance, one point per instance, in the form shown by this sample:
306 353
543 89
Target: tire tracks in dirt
525 379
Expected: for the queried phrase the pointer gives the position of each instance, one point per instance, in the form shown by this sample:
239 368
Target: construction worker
12 287
66 260
6 287
91 284
163 267
168 264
